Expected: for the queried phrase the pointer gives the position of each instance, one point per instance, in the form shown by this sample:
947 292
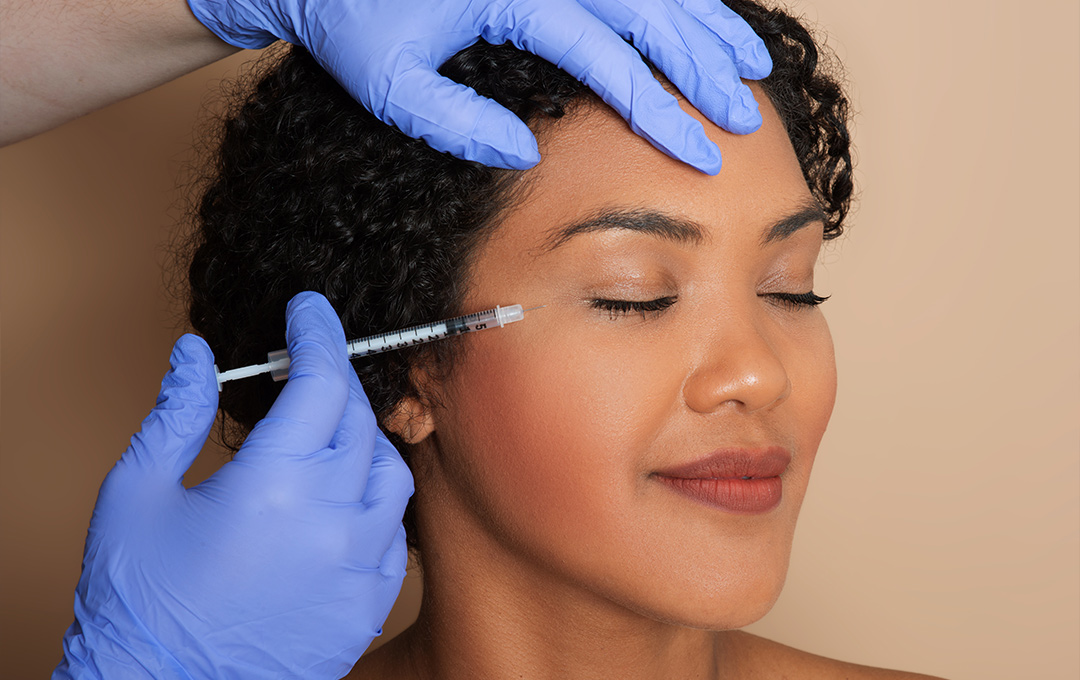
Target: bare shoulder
761 658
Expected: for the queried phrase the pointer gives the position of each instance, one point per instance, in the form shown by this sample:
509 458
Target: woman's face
587 441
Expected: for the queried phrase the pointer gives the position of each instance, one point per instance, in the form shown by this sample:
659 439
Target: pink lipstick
741 481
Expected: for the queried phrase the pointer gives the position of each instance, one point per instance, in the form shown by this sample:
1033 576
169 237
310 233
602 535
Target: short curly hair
308 191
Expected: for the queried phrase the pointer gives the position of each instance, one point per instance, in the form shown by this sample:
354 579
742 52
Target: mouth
735 480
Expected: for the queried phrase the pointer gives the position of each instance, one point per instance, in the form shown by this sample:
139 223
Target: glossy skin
549 544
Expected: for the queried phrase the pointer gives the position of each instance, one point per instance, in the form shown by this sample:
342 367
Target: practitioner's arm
60 59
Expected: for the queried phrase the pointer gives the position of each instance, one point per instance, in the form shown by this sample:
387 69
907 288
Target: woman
609 488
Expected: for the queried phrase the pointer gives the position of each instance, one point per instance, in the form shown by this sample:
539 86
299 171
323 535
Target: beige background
940 533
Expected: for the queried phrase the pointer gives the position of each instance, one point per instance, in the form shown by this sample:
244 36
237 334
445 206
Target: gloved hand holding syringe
277 362
211 541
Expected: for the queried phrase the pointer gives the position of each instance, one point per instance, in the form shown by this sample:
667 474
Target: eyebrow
808 213
678 229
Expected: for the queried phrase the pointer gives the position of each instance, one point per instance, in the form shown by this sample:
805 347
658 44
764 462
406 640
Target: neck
491 612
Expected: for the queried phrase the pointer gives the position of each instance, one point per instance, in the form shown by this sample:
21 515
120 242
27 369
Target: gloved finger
395 561
176 429
382 507
453 118
388 490
306 414
391 566
692 58
745 48
354 445
390 484
587 49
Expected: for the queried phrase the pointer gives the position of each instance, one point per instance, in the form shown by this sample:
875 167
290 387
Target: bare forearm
60 59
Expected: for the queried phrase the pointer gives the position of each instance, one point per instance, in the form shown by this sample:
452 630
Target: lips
741 481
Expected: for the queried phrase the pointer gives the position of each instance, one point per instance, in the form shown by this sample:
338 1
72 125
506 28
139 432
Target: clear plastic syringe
277 363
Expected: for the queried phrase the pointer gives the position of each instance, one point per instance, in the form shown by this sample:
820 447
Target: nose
741 366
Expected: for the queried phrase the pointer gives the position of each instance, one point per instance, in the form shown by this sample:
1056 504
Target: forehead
592 161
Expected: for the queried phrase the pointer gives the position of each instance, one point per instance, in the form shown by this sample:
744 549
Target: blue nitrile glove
386 52
284 563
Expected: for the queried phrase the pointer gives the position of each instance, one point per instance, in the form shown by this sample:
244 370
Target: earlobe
411 420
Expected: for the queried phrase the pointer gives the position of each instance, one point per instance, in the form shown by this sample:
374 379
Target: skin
550 547
61 59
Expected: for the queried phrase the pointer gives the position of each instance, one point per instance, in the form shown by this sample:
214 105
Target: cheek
812 372
542 433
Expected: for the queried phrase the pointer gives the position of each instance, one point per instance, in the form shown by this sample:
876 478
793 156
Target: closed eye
798 300
621 308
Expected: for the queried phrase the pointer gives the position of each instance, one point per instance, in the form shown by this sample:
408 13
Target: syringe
277 363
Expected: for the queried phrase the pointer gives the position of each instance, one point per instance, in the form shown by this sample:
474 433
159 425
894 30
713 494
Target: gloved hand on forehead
386 53
283 564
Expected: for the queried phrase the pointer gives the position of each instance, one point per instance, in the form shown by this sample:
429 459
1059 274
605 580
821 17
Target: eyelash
799 300
620 308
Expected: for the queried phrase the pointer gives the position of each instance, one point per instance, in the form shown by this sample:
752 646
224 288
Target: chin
734 603
730 615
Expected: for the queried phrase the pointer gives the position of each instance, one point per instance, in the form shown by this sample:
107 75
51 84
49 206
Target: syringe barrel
409 337
419 335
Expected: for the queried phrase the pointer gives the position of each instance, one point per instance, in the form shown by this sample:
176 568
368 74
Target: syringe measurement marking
278 362
397 340
459 325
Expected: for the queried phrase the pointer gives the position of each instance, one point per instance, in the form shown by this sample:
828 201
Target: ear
412 420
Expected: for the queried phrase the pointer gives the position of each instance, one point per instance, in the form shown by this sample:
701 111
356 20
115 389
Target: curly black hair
308 191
